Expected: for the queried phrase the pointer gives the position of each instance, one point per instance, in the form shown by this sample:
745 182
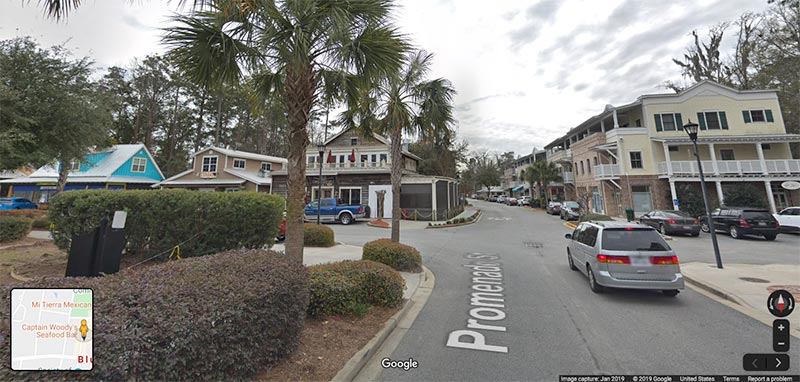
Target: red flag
353 156
330 156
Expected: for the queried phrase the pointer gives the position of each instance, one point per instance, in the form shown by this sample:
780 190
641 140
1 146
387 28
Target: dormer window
139 165
75 165
209 164
239 164
353 141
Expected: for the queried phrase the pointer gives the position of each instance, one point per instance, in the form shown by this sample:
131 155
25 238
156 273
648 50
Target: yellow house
636 154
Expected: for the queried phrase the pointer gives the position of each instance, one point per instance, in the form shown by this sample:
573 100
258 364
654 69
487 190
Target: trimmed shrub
337 288
204 222
218 317
317 235
13 228
41 223
396 255
595 217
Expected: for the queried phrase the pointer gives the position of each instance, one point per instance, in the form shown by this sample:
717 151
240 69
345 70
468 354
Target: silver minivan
624 255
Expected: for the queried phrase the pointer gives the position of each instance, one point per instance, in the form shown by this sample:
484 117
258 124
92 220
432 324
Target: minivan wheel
770 237
734 232
346 219
704 227
593 285
571 263
670 292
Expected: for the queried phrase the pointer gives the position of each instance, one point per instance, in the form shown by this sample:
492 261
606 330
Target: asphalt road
553 323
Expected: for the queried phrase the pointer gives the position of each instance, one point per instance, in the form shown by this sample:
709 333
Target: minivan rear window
756 215
633 239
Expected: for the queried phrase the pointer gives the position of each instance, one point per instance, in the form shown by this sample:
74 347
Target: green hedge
41 223
595 217
13 228
338 288
398 256
159 219
317 235
218 317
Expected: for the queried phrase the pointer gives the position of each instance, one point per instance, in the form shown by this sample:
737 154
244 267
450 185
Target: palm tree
541 173
290 46
403 102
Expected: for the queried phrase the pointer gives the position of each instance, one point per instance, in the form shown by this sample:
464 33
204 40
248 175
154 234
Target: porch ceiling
732 139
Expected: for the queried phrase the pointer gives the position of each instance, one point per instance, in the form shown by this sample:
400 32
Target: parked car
493 199
502 199
741 221
553 208
569 211
525 201
332 209
671 222
789 219
512 201
624 255
17 204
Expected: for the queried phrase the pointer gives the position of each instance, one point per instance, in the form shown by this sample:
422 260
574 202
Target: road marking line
570 225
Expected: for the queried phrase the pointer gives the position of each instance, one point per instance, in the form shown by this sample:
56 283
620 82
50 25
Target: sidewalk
339 252
747 286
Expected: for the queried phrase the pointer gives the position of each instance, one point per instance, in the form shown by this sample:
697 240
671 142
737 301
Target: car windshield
555 203
756 215
571 204
633 239
676 214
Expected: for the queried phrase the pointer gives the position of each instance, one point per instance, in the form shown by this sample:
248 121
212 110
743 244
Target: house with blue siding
120 167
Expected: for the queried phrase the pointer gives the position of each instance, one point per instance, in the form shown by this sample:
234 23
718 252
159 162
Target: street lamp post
321 148
691 129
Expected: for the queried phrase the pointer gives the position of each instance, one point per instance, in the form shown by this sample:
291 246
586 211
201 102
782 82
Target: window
342 158
673 149
266 166
364 158
75 165
712 120
668 122
636 159
374 158
727 154
384 157
210 164
751 116
311 159
350 196
139 165
353 141
239 163
588 166
638 239
765 146
582 172
589 235
595 161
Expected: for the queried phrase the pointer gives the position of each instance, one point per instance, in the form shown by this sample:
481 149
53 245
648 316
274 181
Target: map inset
51 329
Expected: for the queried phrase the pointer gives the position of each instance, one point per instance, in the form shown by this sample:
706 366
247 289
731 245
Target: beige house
218 169
637 154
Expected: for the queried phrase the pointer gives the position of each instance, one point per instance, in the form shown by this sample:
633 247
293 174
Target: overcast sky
525 71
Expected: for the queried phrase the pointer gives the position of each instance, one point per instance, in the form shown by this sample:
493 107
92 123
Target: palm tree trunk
397 177
299 95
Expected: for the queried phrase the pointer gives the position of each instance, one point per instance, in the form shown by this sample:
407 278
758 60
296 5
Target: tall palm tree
403 102
542 173
290 46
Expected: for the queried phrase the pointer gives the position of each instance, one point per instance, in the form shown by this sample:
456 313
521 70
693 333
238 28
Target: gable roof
243 154
116 156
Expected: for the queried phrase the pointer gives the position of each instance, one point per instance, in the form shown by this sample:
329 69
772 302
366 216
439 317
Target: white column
433 200
674 194
713 159
720 197
761 160
616 122
602 126
770 197
668 159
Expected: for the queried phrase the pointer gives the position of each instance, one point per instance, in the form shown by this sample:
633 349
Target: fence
427 214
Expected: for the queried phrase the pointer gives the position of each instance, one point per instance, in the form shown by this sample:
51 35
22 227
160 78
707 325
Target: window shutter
678 122
746 115
723 120
658 122
769 115
701 120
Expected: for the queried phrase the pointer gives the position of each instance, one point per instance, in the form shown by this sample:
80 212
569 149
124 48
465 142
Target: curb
713 290
360 359
477 218
570 225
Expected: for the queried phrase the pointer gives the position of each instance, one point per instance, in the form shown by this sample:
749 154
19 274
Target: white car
789 219
525 201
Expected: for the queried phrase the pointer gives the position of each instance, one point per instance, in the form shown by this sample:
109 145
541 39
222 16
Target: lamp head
321 148
691 130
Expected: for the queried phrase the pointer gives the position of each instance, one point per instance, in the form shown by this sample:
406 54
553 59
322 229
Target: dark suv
741 221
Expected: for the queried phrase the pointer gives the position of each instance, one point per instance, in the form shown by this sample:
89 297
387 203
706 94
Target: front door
327 192
781 201
642 199
597 201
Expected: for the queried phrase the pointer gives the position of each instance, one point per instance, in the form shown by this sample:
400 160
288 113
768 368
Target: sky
525 71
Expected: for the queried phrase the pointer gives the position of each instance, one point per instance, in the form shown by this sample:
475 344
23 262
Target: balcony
733 167
347 166
607 171
561 156
568 177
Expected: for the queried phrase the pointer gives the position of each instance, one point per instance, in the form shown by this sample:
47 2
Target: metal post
319 190
708 209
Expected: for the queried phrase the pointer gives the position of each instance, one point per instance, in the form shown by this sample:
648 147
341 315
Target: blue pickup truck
333 209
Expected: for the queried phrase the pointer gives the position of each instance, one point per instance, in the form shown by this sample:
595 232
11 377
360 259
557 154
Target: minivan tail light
610 259
664 260
696 222
671 221
744 223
